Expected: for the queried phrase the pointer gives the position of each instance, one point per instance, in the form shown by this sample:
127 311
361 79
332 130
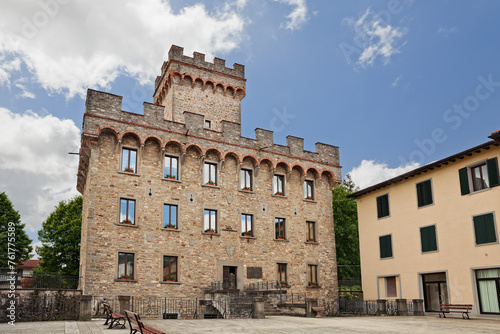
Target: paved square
278 325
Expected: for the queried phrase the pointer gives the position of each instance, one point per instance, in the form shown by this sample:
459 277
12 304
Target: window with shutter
479 176
424 193
383 206
428 238
484 229
385 246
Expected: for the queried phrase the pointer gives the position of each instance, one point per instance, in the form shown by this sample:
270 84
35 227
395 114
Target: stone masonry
189 92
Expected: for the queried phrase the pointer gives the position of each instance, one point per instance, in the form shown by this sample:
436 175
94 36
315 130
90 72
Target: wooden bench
459 308
115 318
137 326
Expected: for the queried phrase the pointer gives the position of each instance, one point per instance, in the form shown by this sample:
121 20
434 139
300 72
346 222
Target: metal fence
341 306
293 298
265 286
39 281
43 308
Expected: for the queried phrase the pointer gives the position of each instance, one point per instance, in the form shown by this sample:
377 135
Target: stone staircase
271 309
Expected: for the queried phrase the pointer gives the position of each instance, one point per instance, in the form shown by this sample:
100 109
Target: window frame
164 226
466 178
134 265
282 226
246 225
312 195
386 281
312 268
133 221
216 229
379 216
210 164
380 247
435 239
177 266
280 273
421 195
122 166
276 191
308 232
171 156
207 124
243 180
495 230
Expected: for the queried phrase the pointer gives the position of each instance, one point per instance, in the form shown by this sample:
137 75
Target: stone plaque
254 272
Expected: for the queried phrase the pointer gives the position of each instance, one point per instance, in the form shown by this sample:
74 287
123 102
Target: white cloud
6 68
36 171
72 45
369 172
446 32
395 83
376 38
297 17
25 93
35 255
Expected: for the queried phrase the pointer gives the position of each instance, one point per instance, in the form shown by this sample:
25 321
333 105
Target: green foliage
16 236
60 236
345 217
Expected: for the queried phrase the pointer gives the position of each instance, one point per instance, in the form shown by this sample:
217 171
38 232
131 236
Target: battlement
108 106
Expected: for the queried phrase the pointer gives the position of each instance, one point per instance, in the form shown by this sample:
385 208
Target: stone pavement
275 325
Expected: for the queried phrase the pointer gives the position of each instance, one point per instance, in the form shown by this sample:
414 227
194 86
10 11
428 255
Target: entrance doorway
488 287
435 291
229 277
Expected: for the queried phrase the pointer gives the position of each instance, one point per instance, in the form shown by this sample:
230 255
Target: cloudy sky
394 83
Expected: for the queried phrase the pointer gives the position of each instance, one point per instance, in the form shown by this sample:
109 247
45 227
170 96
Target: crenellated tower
190 84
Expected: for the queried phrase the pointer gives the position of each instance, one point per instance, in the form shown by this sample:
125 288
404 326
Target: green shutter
464 181
385 243
382 206
428 238
484 229
493 172
424 193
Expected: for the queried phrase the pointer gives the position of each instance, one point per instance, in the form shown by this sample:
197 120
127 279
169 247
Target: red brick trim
207 139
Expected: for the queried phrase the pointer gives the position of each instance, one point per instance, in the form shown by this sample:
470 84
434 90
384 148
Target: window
127 211
210 221
170 269
428 238
279 224
246 179
246 225
312 275
170 216
482 175
282 277
279 185
208 124
309 189
385 246
424 193
390 287
126 266
129 160
210 174
484 229
171 168
311 231
383 206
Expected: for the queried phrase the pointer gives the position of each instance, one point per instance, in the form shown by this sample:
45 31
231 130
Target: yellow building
432 233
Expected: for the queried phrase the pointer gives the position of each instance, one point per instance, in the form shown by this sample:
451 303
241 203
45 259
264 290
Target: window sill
432 251
279 196
313 287
285 240
310 200
206 233
245 237
210 186
311 242
384 217
170 229
246 191
173 180
479 191
425 206
285 286
125 280
127 225
487 243
127 173
173 283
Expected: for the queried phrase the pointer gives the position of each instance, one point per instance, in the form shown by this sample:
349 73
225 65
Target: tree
345 215
60 236
15 245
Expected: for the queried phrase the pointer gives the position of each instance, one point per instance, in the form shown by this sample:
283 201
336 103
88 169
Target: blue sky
395 84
